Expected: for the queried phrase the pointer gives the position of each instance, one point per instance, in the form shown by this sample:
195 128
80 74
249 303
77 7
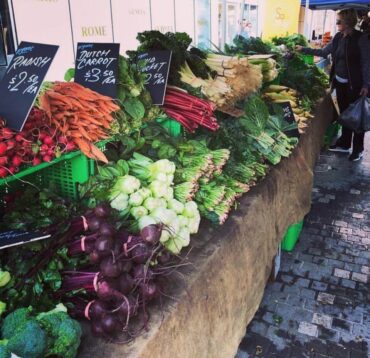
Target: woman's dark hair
349 17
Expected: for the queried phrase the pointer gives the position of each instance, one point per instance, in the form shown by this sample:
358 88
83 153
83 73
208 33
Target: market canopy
336 4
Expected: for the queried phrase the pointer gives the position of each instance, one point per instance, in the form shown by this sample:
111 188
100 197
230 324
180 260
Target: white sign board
185 16
129 18
163 15
49 24
91 21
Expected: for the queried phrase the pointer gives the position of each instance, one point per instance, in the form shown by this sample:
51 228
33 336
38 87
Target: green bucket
291 237
331 133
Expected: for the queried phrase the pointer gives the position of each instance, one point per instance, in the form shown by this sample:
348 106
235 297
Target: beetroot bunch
38 142
122 276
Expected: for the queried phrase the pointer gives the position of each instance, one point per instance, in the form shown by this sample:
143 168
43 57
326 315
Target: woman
350 74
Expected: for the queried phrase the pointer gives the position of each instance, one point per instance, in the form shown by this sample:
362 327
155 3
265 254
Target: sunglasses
339 22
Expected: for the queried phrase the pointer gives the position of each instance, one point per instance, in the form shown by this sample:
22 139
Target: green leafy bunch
178 43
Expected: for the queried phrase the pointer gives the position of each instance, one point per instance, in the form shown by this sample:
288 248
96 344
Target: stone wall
216 297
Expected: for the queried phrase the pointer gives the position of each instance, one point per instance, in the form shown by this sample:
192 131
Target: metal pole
306 26
223 24
323 25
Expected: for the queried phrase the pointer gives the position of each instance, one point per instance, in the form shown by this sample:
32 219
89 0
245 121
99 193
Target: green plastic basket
309 59
291 237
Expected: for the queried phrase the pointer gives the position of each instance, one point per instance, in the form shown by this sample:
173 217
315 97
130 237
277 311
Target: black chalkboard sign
289 117
22 80
288 112
156 64
97 67
18 237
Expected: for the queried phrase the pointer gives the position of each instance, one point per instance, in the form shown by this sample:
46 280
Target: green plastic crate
65 174
309 59
291 237
173 127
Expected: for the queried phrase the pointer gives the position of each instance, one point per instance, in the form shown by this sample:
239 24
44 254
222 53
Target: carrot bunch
81 114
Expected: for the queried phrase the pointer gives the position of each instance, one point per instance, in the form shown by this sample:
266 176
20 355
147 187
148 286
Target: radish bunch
122 276
38 142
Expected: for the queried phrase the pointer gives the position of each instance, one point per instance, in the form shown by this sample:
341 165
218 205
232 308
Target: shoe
354 157
339 149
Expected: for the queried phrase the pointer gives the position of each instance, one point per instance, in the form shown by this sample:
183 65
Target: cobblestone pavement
319 306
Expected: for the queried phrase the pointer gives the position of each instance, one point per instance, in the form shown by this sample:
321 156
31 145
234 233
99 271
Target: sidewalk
319 306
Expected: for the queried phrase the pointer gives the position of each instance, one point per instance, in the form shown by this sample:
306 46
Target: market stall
219 294
108 176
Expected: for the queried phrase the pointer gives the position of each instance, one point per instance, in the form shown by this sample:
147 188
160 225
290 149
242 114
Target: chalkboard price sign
97 67
289 117
18 237
22 80
156 65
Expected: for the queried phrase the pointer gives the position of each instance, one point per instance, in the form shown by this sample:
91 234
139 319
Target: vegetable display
146 193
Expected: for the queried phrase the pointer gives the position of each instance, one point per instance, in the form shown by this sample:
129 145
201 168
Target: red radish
36 161
7 133
17 161
19 138
12 170
48 140
3 161
3 172
42 135
44 147
10 144
3 148
62 140
47 158
50 152
70 146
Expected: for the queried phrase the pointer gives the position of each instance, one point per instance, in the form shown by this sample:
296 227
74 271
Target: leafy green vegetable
134 108
36 209
178 43
291 41
250 46
305 78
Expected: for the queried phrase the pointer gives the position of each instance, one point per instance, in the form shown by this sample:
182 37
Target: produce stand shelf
218 294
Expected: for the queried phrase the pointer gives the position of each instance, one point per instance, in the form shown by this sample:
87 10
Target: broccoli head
63 334
14 321
4 350
29 340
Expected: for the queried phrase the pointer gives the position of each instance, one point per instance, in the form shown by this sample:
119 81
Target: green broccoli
63 333
14 321
4 350
28 341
